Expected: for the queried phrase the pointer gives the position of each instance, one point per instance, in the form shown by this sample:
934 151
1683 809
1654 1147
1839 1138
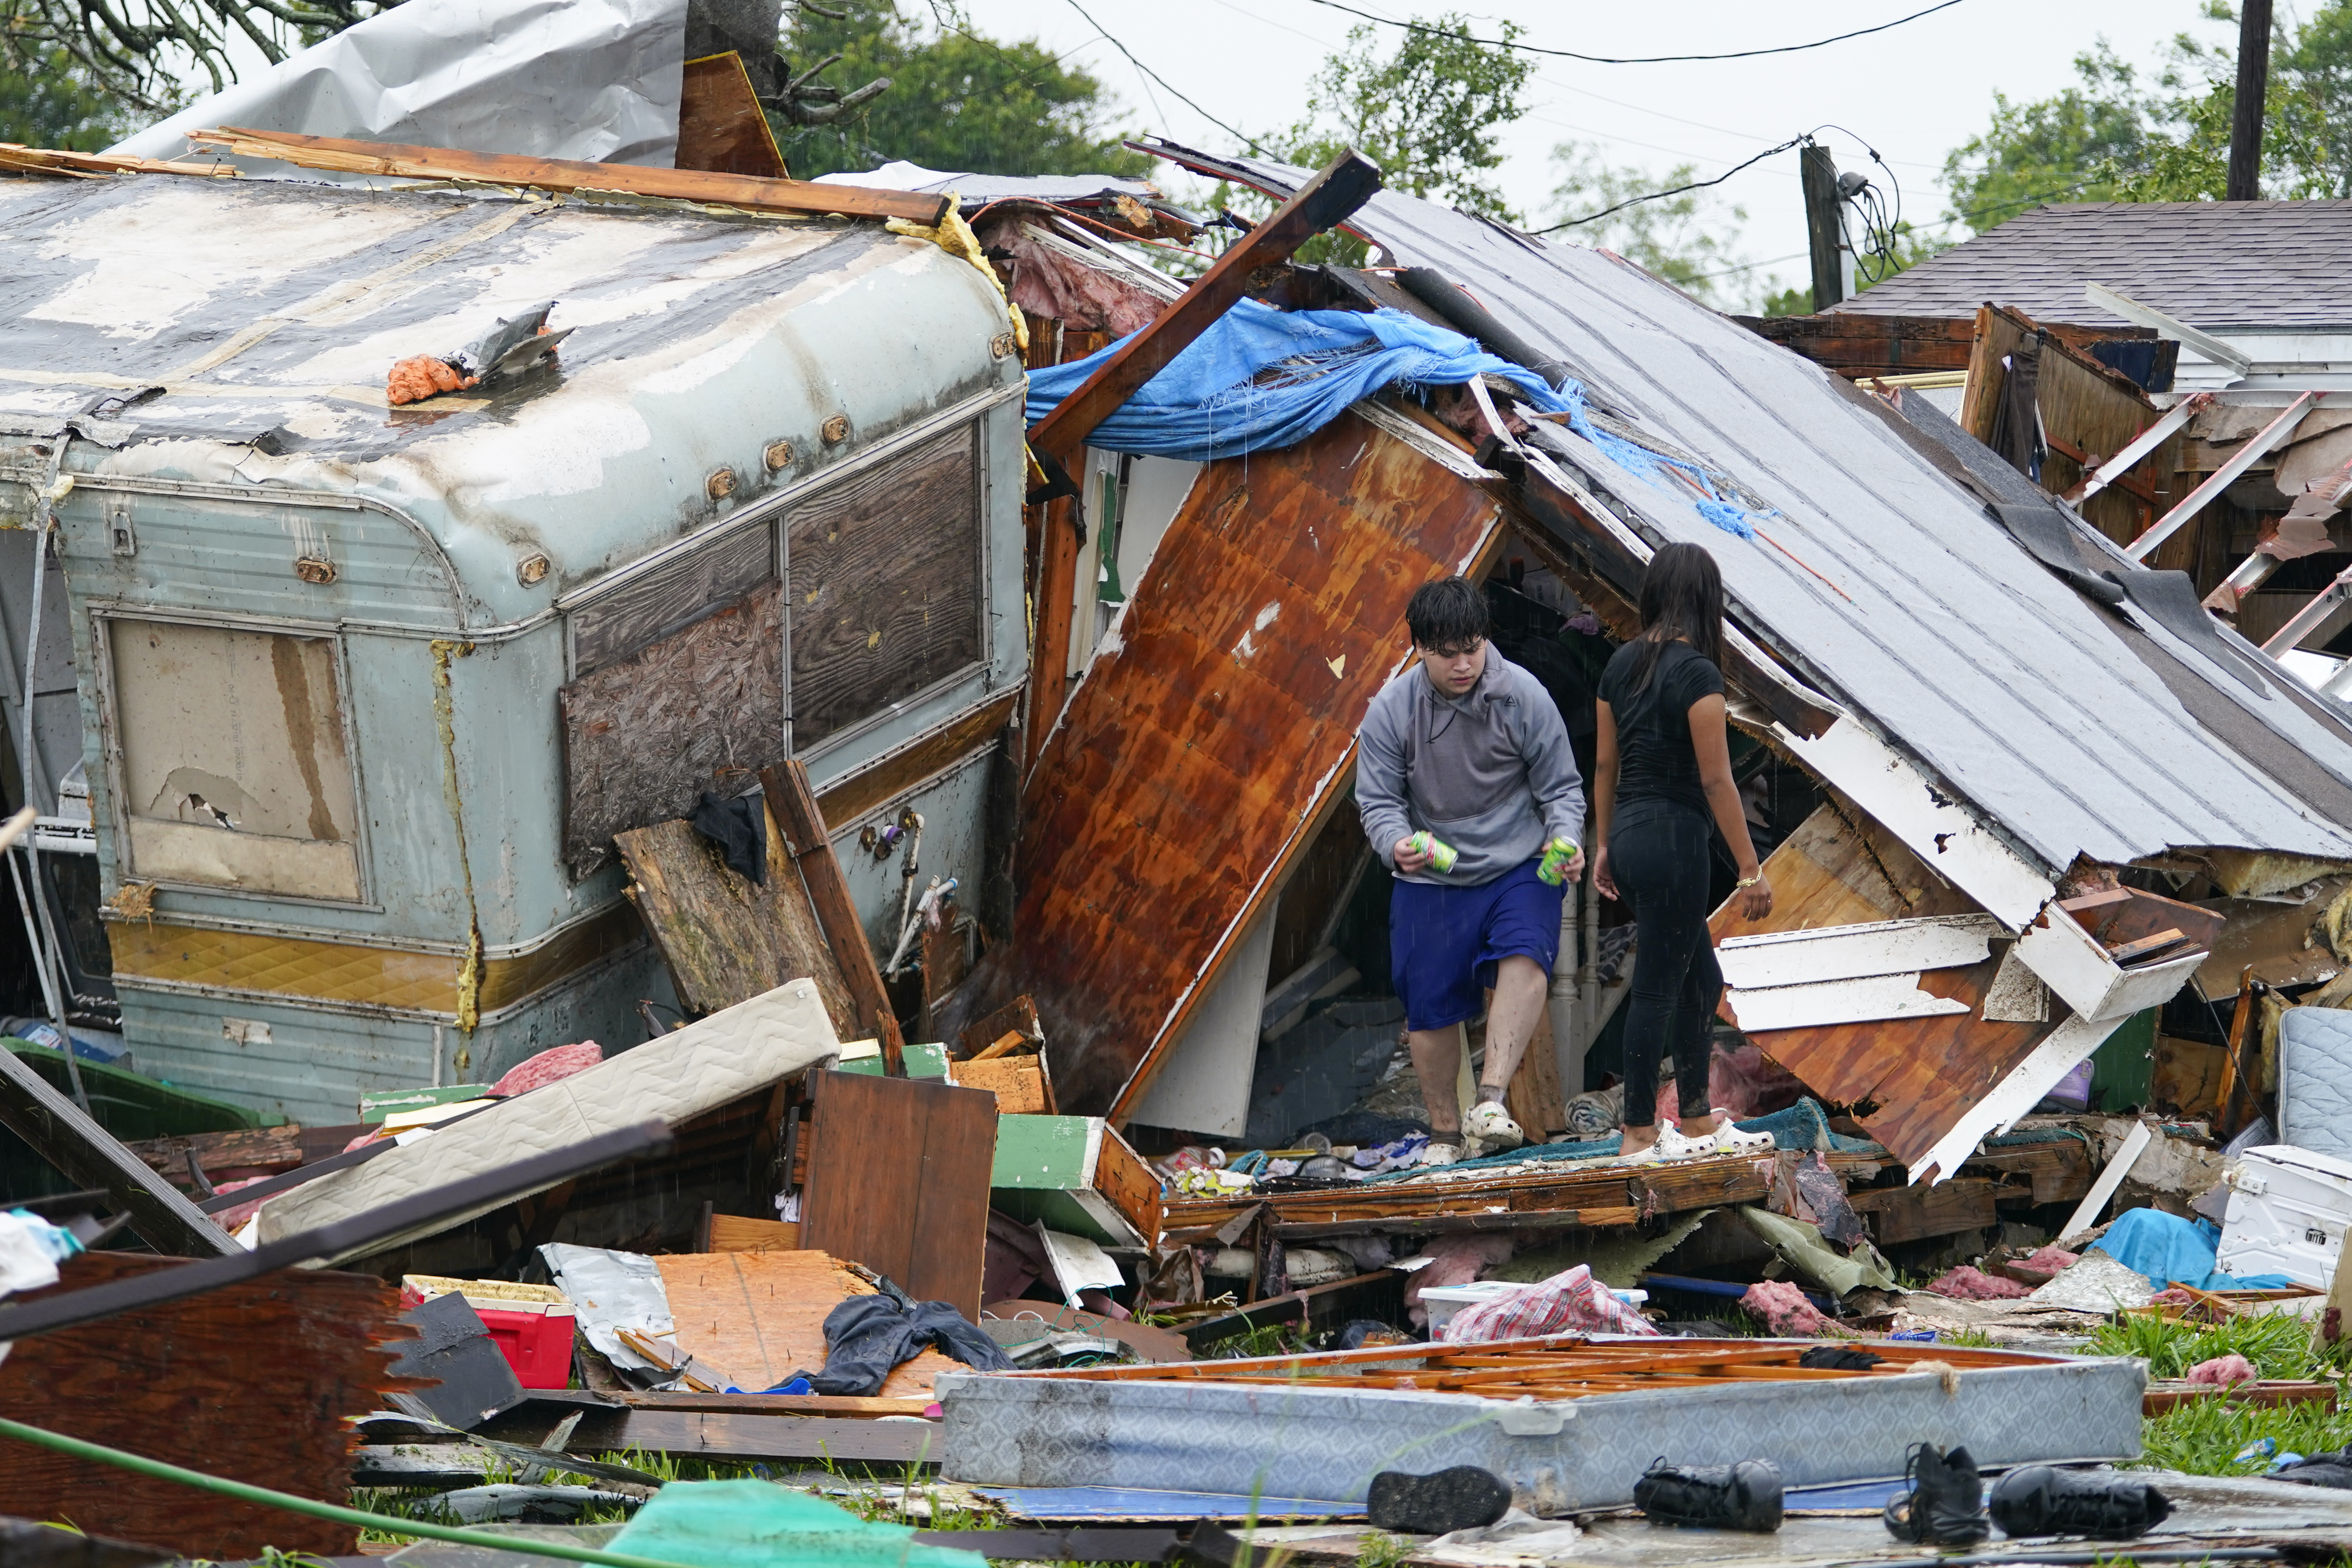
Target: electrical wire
1634 60
1678 189
1163 81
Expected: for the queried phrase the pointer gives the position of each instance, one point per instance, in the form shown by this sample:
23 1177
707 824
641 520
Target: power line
1163 81
1633 60
1678 189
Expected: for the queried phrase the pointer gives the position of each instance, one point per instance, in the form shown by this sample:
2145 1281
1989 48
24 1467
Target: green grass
2203 1437
2279 1346
1382 1551
1967 1338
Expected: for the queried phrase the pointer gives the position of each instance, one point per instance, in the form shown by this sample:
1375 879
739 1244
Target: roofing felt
1883 581
2211 264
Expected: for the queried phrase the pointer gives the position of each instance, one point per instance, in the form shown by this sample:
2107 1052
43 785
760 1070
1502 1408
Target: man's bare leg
1437 1062
1521 989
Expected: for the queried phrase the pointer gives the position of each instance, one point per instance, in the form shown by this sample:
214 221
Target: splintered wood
1560 1366
759 1317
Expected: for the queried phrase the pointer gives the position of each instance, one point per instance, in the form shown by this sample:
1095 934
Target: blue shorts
1445 943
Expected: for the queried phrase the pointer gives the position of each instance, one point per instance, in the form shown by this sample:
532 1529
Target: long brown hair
1682 597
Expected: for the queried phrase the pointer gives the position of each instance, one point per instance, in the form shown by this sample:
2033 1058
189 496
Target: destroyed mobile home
728 805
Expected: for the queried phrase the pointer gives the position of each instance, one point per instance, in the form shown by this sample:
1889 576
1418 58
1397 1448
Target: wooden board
880 783
725 938
720 126
886 585
733 1233
244 1150
794 810
1908 1079
249 1381
898 1180
759 1317
1860 343
1194 756
1944 1208
1017 1082
644 736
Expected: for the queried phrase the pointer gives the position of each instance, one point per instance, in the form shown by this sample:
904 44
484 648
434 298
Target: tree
1683 238
56 106
957 101
136 53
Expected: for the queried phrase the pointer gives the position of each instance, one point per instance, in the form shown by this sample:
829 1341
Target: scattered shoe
1945 1506
1464 1498
1674 1144
2040 1499
1492 1125
1744 1496
2331 1470
1730 1139
1436 1153
1649 1156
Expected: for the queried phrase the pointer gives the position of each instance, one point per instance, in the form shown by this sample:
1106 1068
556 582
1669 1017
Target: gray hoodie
1490 772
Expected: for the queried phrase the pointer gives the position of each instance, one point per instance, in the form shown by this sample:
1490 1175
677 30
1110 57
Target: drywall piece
1559 1456
2016 995
1855 951
2078 969
2086 1213
1079 1265
1205 1086
2067 1047
1838 1002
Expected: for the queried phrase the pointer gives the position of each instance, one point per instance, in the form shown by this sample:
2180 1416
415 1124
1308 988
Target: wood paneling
671 598
251 1382
899 1182
644 737
721 127
1908 1079
726 939
759 1317
1860 343
875 785
1910 1213
1194 754
886 582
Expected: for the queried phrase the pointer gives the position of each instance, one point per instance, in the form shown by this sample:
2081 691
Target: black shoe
1744 1496
1838 1358
2041 1500
1945 1506
1464 1498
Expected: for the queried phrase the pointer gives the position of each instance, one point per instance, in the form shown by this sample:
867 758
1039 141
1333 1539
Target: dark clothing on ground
1659 853
867 1336
1654 758
1446 942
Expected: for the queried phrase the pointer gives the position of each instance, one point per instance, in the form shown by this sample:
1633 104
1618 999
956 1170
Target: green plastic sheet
758 1524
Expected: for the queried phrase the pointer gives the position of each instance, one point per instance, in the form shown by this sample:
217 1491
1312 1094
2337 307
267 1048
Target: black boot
1744 1496
1945 1506
1464 1498
2039 1500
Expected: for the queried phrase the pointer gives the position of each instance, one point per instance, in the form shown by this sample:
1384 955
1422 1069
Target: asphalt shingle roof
2211 264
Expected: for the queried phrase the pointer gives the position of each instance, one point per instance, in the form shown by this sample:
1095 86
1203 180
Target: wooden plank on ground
796 811
898 1180
759 1317
1944 1208
711 1436
242 1149
725 938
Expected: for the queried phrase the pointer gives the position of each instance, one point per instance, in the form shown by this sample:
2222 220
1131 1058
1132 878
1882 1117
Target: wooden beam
89 1155
404 162
1944 1208
1321 202
787 789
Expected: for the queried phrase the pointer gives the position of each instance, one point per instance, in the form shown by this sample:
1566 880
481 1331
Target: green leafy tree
957 99
1686 239
55 105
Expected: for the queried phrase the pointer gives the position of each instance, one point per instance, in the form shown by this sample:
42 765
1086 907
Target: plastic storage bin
531 1324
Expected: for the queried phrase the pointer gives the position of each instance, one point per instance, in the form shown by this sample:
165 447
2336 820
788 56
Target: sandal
1730 1140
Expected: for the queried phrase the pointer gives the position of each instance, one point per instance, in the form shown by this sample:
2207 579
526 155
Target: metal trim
257 999
904 705
426 946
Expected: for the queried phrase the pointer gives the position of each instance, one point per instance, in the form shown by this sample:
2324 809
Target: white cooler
2289 1209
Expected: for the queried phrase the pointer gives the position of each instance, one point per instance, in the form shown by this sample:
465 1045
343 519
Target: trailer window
233 767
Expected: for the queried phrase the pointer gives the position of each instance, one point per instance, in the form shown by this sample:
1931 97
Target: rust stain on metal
315 569
1187 763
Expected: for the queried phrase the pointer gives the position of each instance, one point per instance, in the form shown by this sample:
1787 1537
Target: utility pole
2253 86
1824 235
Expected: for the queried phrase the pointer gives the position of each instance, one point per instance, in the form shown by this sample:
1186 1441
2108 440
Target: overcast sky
1912 92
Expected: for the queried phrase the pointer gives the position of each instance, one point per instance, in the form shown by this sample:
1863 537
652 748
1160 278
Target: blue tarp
2167 1248
1260 379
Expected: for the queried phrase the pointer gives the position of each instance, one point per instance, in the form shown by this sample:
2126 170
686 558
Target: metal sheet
1850 952
1019 1431
1839 1002
596 81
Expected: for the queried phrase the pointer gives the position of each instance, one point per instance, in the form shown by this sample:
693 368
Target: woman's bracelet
1747 881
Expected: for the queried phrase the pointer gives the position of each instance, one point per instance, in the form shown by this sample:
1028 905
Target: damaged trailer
364 692
2044 771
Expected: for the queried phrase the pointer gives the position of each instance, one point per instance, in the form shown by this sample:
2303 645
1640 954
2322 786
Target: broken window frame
103 618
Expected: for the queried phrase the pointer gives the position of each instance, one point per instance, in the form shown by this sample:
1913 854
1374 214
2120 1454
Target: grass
2204 1437
2279 1346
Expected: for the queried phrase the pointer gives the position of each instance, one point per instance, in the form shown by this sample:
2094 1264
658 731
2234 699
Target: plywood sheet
1908 1079
898 1180
721 127
644 736
726 938
759 1317
1211 732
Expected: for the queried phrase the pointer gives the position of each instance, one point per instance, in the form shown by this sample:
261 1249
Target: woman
1663 770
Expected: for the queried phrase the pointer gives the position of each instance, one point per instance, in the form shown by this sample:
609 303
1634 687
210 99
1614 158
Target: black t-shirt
1654 759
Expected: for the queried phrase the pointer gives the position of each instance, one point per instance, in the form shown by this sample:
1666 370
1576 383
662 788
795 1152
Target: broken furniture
1076 1174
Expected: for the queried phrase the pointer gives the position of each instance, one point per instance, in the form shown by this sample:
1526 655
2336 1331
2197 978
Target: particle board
1209 738
759 1317
725 938
249 1381
898 1180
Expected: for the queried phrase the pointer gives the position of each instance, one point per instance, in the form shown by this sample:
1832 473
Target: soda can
1557 854
1441 855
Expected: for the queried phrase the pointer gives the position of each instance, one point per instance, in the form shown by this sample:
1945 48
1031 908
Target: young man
1469 747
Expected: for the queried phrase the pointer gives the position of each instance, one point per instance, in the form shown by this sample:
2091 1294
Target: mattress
2315 1081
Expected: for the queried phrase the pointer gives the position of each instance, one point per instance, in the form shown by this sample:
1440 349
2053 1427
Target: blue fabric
1260 379
1804 1125
1446 942
2168 1248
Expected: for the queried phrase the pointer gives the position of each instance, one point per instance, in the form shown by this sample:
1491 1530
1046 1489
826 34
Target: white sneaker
1492 1125
1730 1139
1435 1154
1649 1156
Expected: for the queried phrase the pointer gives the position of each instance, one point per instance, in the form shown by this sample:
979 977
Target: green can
1441 855
1556 857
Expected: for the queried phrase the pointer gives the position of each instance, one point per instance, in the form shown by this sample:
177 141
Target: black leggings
1660 855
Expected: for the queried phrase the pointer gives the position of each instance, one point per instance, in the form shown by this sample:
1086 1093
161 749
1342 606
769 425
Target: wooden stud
789 795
